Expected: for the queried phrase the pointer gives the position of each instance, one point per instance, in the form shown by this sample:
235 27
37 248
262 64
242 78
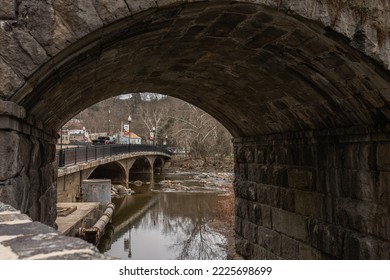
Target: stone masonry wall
8 10
28 175
23 239
313 196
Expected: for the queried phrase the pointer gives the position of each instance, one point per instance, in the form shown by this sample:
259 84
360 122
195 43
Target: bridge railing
71 156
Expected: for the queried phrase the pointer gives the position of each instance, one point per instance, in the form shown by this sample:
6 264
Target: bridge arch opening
141 166
113 170
306 109
158 165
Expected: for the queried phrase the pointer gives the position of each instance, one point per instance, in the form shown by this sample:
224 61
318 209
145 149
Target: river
176 216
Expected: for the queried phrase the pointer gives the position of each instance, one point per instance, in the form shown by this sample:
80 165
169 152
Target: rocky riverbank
187 164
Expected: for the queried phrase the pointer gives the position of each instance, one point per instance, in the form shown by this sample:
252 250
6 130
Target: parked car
104 140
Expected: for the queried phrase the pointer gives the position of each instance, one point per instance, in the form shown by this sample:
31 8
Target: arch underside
141 165
256 70
112 170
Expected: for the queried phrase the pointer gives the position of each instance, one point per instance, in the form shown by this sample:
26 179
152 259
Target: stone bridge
116 163
302 85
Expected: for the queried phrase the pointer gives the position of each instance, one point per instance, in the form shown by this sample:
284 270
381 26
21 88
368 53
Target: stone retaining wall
313 196
21 238
28 169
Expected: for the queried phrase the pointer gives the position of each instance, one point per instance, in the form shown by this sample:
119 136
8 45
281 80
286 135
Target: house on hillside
134 138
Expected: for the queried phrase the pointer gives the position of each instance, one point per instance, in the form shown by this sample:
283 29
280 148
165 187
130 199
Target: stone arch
141 165
112 170
158 164
297 74
300 99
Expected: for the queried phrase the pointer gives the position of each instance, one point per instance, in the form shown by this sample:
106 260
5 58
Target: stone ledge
21 238
12 109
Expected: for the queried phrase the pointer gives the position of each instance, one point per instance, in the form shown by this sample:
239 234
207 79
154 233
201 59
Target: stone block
12 109
268 35
262 174
273 175
296 38
384 250
358 184
245 155
357 156
261 253
290 224
260 214
162 3
256 214
289 248
281 177
383 187
7 10
326 155
317 46
5 218
225 24
246 190
307 252
266 214
249 231
49 244
243 247
9 149
110 11
364 217
301 155
256 172
11 80
136 6
269 240
329 181
357 247
242 208
277 155
261 155
329 209
268 194
242 172
8 195
327 238
300 178
309 204
287 199
238 225
383 156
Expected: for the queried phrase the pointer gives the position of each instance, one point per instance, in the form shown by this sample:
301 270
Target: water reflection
155 224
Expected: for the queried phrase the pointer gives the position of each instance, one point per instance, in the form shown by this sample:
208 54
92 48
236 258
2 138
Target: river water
176 216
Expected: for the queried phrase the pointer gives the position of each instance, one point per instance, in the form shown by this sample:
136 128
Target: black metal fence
70 156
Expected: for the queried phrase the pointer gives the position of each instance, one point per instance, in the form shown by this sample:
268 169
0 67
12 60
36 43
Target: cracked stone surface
21 238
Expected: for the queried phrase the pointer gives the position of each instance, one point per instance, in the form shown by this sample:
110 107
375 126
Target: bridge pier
313 195
28 173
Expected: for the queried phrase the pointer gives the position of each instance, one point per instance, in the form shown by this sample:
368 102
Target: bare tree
153 112
174 122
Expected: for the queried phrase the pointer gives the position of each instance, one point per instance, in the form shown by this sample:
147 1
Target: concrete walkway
82 214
